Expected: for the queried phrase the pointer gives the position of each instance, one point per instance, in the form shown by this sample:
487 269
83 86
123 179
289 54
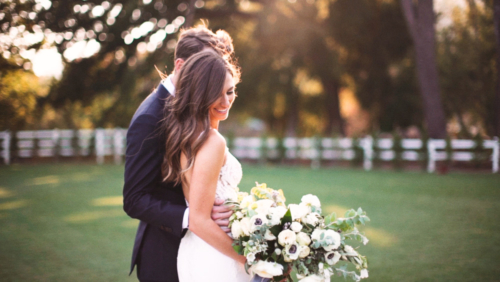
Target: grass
64 222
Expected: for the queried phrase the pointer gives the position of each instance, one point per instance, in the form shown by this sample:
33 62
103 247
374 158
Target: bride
197 156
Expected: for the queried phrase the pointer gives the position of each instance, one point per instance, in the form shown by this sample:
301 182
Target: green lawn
64 222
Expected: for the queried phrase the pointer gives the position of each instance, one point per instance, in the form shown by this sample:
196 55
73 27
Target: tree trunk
496 20
335 123
190 14
420 19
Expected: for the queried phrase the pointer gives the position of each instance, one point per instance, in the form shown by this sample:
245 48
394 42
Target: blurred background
315 67
350 100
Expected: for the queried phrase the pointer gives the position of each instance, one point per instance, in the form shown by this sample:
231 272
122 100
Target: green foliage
466 57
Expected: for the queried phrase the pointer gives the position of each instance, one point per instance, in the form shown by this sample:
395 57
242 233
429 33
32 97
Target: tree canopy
297 57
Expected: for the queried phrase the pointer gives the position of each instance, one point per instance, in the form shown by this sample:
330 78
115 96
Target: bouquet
275 238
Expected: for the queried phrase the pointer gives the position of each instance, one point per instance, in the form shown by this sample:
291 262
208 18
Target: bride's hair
186 123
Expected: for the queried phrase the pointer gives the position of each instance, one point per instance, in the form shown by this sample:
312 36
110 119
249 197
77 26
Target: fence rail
111 142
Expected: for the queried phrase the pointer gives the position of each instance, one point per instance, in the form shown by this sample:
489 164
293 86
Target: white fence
111 142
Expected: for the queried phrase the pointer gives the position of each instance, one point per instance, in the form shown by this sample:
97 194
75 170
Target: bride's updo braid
200 84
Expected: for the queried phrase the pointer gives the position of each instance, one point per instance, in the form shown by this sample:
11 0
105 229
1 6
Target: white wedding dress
197 261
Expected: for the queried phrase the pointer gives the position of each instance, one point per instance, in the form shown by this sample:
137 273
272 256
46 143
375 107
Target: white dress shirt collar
167 82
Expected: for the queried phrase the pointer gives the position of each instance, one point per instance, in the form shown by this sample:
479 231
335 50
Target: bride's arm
206 169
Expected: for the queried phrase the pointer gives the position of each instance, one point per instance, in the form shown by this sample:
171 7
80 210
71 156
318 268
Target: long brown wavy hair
187 123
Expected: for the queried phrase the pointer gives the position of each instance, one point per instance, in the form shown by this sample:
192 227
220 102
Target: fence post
495 155
316 148
367 145
6 147
56 141
431 149
100 145
263 150
118 145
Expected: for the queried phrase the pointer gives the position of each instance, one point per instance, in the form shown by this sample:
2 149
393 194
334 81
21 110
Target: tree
497 37
420 20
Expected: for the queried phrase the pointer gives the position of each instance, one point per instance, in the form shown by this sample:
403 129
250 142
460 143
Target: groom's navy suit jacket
159 206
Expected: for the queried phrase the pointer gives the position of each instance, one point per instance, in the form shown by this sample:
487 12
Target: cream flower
298 211
246 226
286 237
333 238
239 215
296 227
312 219
304 252
292 252
267 269
363 273
247 201
236 229
332 257
277 214
310 200
303 239
269 236
316 235
262 206
349 251
250 258
257 221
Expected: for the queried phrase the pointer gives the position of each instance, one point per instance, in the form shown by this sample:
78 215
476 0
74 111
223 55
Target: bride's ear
178 65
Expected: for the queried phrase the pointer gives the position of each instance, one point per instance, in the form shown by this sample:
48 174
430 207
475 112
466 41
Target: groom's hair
195 39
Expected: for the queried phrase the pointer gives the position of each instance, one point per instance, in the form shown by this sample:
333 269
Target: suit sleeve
142 173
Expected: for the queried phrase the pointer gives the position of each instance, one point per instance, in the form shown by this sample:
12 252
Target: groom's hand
221 214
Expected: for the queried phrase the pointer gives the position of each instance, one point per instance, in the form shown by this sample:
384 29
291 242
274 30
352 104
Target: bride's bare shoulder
215 139
214 145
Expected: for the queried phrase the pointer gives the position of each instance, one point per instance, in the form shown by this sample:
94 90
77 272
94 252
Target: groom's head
196 39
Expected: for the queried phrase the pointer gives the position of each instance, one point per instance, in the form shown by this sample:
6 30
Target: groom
160 206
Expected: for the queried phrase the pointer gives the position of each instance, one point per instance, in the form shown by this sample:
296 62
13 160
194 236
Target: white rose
286 237
312 278
333 238
300 276
257 221
332 257
269 235
312 219
267 269
363 273
236 229
303 239
298 211
296 227
247 201
245 225
305 250
262 206
311 200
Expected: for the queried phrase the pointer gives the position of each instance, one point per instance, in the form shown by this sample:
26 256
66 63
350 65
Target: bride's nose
226 102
